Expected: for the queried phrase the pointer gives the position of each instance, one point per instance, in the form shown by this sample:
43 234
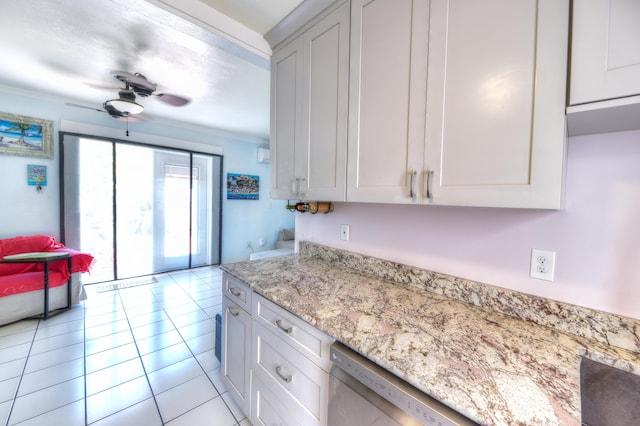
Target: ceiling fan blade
173 100
84 106
137 118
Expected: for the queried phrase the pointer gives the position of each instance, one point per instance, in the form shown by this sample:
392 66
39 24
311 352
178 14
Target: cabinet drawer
305 338
288 371
237 291
270 406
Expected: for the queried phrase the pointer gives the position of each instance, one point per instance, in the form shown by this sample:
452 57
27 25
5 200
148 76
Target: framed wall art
243 187
36 175
25 136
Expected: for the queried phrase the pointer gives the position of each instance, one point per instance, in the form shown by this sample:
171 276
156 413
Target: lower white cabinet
300 385
290 382
269 407
236 346
303 337
274 365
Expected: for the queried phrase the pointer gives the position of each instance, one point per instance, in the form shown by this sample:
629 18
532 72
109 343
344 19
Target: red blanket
22 277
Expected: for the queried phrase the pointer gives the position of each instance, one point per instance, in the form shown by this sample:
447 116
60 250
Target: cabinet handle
412 185
236 293
234 312
287 330
429 174
282 376
296 186
302 189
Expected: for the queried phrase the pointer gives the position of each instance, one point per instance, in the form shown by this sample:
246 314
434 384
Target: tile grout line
106 367
139 357
194 356
144 369
24 368
177 329
38 327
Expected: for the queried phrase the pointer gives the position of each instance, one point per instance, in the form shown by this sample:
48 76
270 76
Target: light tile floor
141 356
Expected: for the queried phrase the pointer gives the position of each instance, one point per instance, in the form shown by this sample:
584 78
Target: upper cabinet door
495 127
286 117
323 153
605 56
605 67
309 92
387 91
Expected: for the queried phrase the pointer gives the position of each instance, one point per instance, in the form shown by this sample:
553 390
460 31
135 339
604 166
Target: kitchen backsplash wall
596 236
609 329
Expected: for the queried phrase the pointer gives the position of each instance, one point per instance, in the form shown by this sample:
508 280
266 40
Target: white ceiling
68 49
259 15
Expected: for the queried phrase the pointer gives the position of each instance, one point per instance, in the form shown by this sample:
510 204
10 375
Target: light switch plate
344 232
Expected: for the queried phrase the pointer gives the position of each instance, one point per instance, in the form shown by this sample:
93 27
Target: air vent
263 155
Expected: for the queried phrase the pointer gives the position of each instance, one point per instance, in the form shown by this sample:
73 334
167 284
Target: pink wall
596 237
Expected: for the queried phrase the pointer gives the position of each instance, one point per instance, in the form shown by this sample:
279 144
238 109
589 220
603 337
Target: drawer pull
236 293
287 330
282 376
234 312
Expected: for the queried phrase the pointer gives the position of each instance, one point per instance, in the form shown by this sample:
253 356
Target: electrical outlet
543 264
344 232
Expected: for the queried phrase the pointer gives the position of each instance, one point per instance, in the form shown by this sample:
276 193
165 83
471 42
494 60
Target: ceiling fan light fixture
126 106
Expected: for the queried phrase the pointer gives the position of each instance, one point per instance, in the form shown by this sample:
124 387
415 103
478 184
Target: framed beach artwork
26 136
243 187
36 175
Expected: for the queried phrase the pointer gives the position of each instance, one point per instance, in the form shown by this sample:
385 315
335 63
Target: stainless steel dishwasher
362 393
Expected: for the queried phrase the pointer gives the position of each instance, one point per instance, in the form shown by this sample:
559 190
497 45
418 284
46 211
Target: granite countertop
492 367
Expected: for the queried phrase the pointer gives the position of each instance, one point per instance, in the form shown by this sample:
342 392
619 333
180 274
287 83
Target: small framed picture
36 175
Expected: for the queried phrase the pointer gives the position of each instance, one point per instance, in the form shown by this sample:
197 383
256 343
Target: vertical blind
139 209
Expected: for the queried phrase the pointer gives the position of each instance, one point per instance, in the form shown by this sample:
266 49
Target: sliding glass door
140 209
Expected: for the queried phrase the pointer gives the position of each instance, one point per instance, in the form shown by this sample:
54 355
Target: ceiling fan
125 107
142 87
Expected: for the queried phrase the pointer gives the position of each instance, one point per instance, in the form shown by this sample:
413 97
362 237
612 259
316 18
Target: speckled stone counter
497 356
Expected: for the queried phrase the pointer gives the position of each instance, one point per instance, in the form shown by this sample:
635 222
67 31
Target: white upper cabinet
450 102
386 99
309 86
458 102
286 117
605 66
495 129
605 57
